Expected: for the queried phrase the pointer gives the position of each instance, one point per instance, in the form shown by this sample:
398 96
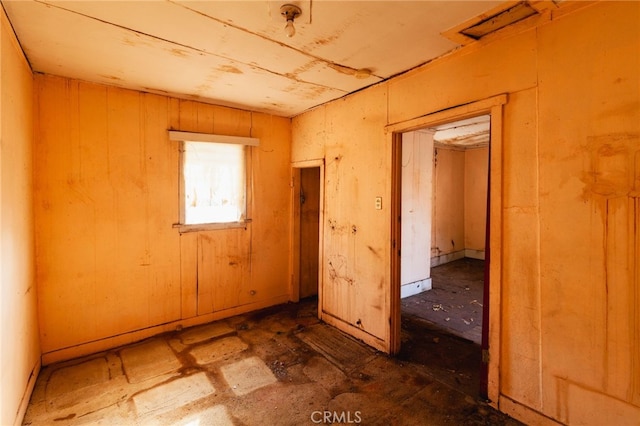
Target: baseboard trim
415 287
525 414
370 339
446 258
474 254
111 342
26 396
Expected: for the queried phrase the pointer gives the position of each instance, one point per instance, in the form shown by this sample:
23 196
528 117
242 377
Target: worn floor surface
454 303
441 328
279 366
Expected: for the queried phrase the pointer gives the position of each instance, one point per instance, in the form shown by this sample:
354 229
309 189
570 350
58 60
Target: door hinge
485 356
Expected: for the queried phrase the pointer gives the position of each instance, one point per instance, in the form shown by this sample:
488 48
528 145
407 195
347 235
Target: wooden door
309 230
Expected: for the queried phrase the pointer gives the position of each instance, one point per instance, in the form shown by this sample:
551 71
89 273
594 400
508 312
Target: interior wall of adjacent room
448 217
417 200
460 203
476 166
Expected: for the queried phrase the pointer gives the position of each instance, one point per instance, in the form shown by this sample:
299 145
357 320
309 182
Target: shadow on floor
441 328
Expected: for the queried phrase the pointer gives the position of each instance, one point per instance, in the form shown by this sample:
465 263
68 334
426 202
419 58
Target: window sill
182 228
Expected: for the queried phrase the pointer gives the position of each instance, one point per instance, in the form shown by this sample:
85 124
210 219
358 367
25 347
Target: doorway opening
307 233
443 224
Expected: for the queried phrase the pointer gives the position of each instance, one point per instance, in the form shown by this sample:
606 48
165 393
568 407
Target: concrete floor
279 366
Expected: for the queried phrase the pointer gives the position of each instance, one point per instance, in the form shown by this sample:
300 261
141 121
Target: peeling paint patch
316 91
327 40
179 53
342 69
309 65
110 77
135 42
151 89
230 69
203 88
68 417
272 104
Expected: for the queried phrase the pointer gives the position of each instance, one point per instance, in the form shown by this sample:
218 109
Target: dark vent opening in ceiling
507 17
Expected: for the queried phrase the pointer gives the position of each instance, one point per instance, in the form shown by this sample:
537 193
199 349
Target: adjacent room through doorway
443 226
307 230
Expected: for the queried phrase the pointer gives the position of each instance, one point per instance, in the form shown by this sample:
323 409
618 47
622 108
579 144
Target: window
214 180
214 183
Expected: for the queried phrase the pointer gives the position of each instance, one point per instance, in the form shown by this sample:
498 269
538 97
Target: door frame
494 107
294 285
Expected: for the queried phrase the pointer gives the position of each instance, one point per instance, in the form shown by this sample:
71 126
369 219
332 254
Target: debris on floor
457 289
279 366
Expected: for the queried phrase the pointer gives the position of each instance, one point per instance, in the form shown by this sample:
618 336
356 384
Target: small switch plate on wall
378 203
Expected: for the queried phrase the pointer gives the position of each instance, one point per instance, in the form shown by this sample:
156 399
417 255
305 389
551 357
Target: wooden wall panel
309 230
566 334
476 166
417 207
189 274
110 260
224 264
588 142
521 266
271 209
63 221
159 163
448 202
356 168
310 132
19 340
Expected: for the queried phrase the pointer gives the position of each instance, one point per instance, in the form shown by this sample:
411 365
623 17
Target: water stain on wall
338 270
612 169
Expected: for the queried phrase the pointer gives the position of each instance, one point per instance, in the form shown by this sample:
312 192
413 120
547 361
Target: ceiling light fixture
290 12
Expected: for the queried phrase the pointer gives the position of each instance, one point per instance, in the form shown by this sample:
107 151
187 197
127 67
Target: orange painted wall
448 202
111 268
569 346
348 135
476 166
19 343
460 203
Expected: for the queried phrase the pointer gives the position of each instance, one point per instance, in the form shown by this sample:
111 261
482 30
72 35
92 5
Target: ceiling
236 53
472 132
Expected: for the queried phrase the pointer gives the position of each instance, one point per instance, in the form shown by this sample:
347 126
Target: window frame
184 137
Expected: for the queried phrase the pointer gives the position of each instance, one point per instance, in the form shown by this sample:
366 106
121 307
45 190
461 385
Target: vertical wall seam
198 251
605 357
634 387
538 234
